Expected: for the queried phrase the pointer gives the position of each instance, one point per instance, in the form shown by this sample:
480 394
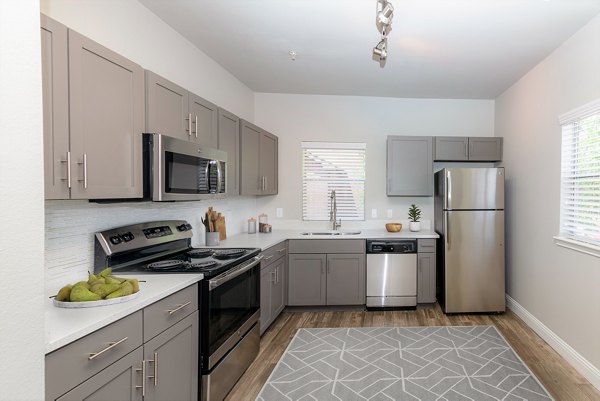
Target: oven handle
230 275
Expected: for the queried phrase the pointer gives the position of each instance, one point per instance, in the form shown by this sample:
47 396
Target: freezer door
474 261
474 188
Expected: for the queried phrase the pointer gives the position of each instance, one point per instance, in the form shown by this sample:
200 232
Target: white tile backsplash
71 224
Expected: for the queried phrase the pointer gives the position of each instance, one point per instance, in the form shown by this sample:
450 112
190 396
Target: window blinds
328 166
580 174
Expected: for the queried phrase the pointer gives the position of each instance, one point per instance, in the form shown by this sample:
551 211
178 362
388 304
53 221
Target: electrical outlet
389 213
280 212
374 213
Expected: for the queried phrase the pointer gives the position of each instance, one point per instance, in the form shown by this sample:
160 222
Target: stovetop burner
228 253
200 253
201 266
165 265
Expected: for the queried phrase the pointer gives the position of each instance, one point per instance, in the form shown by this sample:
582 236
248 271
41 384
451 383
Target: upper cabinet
409 166
99 155
172 110
484 149
229 141
258 160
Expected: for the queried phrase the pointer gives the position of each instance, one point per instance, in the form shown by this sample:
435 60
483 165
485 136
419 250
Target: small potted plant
414 215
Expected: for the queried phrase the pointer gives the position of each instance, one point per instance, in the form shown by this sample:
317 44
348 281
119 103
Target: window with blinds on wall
580 174
328 166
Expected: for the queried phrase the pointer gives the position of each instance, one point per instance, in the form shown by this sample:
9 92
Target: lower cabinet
120 362
272 284
426 271
326 279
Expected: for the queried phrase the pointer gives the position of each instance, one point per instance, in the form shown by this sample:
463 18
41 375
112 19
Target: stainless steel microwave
179 170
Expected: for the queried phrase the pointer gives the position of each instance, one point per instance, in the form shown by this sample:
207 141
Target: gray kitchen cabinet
174 111
426 271
121 381
171 360
326 272
110 363
267 277
229 141
409 166
345 279
272 295
258 160
106 110
55 88
307 279
483 149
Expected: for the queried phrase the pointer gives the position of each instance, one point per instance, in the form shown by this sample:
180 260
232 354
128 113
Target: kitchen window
328 166
580 180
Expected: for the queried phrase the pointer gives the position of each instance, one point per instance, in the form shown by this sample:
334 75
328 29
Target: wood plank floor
559 378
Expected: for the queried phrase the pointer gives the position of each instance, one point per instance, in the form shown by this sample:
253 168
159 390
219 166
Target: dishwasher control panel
392 246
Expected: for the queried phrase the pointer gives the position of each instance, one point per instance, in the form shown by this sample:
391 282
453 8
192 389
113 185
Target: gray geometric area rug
450 363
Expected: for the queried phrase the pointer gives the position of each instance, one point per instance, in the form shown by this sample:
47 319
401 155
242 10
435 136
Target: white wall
558 286
130 29
21 203
296 118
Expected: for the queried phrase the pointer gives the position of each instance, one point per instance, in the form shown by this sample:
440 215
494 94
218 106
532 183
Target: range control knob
128 236
182 227
115 239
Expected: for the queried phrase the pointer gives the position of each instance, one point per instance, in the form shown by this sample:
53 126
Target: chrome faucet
333 212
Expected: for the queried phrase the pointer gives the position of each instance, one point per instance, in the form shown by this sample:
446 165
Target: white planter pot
414 226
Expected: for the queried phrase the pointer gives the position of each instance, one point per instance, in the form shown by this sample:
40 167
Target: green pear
124 289
119 279
64 293
82 294
83 284
98 280
104 289
105 272
134 284
112 280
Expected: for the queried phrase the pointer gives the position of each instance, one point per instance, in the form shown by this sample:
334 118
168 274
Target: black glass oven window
187 174
230 305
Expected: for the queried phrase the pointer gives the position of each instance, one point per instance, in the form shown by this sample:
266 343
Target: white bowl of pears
98 290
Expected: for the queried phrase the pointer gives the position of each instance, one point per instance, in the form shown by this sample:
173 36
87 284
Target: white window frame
566 237
325 216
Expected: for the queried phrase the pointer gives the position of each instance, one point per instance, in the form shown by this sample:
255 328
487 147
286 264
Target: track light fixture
384 15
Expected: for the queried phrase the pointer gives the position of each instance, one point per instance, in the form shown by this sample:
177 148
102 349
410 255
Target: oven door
182 170
231 303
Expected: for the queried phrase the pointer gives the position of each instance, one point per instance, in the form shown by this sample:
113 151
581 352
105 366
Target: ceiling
469 49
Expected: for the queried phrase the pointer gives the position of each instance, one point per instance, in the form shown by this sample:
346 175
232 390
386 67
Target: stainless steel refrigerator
469 217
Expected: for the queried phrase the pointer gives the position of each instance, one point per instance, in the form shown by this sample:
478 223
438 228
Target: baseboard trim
582 365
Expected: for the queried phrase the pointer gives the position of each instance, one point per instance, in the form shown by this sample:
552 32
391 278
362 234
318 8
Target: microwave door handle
207 176
219 173
228 276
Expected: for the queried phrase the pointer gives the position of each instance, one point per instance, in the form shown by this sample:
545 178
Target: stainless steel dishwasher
391 273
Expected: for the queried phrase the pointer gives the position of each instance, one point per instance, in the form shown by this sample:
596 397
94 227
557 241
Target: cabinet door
307 279
345 279
451 148
426 277
204 121
485 149
267 278
167 108
55 88
277 289
172 362
250 176
118 382
106 110
409 166
229 141
268 162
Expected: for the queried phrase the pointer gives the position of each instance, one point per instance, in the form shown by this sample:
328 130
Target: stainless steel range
229 294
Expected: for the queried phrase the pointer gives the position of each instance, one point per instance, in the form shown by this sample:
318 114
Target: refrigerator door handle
447 230
448 197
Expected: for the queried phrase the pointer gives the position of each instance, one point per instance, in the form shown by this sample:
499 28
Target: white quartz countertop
63 326
267 240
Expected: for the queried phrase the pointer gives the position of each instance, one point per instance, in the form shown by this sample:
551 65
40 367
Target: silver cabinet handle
110 346
196 124
273 278
268 257
189 120
179 307
281 250
143 370
155 362
277 275
68 162
85 181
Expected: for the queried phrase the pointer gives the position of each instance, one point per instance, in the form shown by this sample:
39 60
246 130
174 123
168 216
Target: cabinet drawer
426 245
273 253
163 314
326 246
76 362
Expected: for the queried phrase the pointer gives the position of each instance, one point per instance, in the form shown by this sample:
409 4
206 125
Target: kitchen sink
331 233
